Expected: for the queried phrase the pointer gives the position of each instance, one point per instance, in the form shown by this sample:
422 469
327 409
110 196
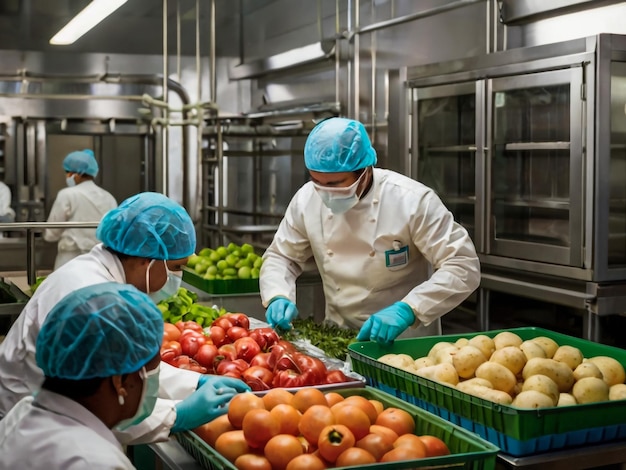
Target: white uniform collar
111 262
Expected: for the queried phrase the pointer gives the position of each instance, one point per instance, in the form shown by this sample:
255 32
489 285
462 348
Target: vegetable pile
257 356
330 338
227 262
183 307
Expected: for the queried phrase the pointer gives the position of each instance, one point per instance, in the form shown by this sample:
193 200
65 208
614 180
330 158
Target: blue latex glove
225 384
385 325
202 406
280 312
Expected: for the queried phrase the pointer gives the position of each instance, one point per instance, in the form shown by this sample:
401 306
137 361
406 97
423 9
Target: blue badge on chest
399 256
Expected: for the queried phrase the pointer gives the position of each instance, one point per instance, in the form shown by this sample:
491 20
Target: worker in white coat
7 214
391 257
81 201
145 242
99 351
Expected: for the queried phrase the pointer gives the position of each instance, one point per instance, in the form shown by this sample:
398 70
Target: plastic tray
220 286
516 431
467 450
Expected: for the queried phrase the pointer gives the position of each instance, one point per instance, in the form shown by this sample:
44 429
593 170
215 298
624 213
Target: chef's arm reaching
281 312
385 325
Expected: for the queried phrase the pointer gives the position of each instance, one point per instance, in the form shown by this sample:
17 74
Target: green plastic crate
220 286
516 431
467 449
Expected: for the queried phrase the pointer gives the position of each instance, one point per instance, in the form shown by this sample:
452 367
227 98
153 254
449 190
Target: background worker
375 236
81 201
99 351
145 242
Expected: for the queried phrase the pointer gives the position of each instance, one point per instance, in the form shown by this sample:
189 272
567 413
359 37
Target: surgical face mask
70 181
174 280
340 200
149 394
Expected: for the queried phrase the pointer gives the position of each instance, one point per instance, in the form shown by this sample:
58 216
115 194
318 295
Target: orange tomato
376 444
378 406
332 398
240 405
397 420
314 420
354 456
252 462
434 446
288 418
412 441
390 434
170 332
365 405
232 444
306 397
334 440
281 449
402 453
258 427
353 417
277 396
306 462
210 431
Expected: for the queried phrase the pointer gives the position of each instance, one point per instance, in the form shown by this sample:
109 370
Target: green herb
183 307
330 338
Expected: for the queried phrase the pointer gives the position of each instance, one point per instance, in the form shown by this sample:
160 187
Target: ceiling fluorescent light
89 17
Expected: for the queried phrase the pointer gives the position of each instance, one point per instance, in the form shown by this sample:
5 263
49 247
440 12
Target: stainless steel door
535 167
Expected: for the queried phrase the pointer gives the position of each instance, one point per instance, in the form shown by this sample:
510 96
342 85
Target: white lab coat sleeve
155 428
175 383
285 258
450 251
60 212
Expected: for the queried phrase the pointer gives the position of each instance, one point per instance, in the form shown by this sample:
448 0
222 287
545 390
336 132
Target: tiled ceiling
135 28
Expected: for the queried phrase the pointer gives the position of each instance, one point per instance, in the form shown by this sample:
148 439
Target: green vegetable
37 283
183 307
329 337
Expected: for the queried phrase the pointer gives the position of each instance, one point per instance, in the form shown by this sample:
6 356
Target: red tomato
265 337
227 351
175 346
238 319
236 332
278 350
335 376
223 322
190 325
246 348
190 344
288 379
258 378
170 332
312 365
218 335
226 366
206 356
261 360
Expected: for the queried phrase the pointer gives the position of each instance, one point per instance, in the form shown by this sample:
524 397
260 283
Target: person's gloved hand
385 325
225 384
280 312
202 406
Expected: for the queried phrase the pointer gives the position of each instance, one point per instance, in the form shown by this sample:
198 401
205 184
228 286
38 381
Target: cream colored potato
587 369
612 371
500 377
566 399
474 381
506 338
445 355
486 393
569 355
590 390
436 347
532 349
617 392
543 384
510 357
444 372
484 343
459 343
532 399
548 344
397 360
423 362
557 371
466 360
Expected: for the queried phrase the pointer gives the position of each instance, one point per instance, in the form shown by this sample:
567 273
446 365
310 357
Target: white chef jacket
85 202
20 376
52 432
5 202
379 252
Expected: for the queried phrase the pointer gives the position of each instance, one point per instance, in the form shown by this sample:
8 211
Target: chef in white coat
145 242
81 201
99 351
391 257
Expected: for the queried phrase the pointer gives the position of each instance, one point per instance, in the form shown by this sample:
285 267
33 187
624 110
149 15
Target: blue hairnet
99 331
82 162
148 225
338 144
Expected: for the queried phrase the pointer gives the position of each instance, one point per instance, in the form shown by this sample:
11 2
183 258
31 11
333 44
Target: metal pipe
178 46
31 268
356 57
416 16
165 129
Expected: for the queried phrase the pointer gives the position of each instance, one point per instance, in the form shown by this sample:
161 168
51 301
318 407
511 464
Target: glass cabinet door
446 147
617 168
535 167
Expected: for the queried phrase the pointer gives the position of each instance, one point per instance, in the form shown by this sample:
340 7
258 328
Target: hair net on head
148 225
337 145
99 331
82 162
